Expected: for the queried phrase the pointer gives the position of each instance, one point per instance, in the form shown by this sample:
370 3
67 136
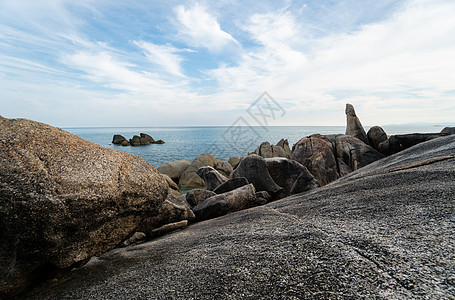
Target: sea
221 141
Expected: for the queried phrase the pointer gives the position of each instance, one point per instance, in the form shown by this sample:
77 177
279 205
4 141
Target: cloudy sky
172 63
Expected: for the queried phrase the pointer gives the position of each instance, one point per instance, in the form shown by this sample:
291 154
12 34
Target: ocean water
222 141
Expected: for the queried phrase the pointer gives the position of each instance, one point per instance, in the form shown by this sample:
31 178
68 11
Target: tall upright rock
64 200
354 127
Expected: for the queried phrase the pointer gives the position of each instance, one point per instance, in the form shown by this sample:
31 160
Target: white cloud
163 56
200 29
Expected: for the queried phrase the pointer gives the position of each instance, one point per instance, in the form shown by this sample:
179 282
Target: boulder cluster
141 140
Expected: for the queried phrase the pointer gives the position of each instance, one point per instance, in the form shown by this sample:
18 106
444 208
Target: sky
200 63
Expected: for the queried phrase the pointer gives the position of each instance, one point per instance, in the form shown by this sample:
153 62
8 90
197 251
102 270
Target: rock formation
354 127
189 178
376 135
211 177
143 139
175 168
64 199
196 196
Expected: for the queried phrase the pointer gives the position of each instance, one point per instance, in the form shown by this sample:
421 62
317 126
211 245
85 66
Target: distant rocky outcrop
64 200
142 140
354 127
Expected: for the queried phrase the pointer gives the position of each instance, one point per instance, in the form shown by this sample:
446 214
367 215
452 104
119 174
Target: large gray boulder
254 169
231 184
212 177
376 135
293 177
64 200
354 127
196 196
268 151
355 153
385 231
223 167
284 143
400 142
175 168
189 178
448 131
120 140
219 205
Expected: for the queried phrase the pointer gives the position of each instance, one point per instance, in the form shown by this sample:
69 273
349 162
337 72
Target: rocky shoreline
66 200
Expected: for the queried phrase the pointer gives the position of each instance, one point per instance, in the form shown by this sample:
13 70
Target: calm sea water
223 142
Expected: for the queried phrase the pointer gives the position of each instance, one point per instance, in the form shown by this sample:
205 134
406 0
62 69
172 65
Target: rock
135 141
283 143
355 153
173 187
397 143
376 135
223 167
64 200
159 142
119 140
174 209
354 127
267 151
137 237
234 162
146 139
263 197
254 169
189 178
448 130
385 231
196 196
169 228
174 169
125 143
316 153
230 185
212 177
291 176
219 205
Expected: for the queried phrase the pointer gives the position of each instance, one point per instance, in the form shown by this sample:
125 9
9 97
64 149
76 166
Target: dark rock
173 209
354 127
174 169
316 153
189 178
397 143
196 196
223 167
159 142
137 237
291 176
355 153
135 141
230 185
146 139
219 205
448 130
376 135
119 139
173 187
385 231
212 177
263 197
254 169
64 199
125 143
268 151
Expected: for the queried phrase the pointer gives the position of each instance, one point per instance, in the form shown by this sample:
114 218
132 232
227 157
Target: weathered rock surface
135 141
196 196
223 167
175 168
212 177
293 177
448 130
64 199
189 178
146 139
231 184
284 143
173 209
386 231
219 205
317 155
137 237
354 127
173 187
332 156
254 169
400 142
376 135
268 151
169 228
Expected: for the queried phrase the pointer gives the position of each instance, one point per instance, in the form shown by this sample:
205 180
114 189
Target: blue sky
174 63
